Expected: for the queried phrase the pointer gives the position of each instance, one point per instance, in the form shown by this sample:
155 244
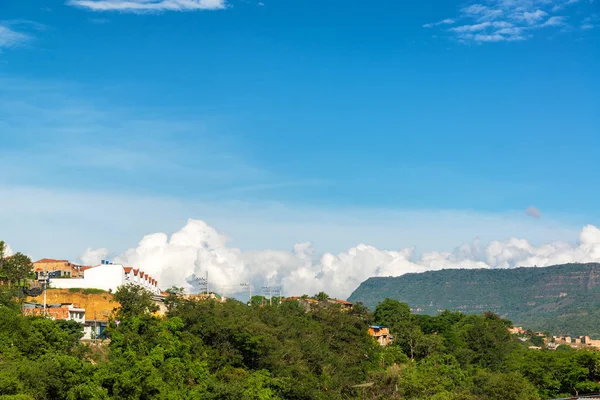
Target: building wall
65 267
98 306
105 277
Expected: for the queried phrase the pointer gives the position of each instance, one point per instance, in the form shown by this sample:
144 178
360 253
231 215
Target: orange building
58 268
381 334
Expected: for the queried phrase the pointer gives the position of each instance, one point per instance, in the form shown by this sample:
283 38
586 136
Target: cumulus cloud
8 251
140 6
93 256
508 20
533 212
199 247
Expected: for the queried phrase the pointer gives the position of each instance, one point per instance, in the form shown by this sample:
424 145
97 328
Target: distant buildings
58 268
575 342
555 341
205 296
109 277
69 312
516 330
310 303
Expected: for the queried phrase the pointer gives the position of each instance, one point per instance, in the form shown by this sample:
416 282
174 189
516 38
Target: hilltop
562 299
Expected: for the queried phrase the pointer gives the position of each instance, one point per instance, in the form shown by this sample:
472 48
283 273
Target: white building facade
108 277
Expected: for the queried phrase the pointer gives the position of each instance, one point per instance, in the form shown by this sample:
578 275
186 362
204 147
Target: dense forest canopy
562 299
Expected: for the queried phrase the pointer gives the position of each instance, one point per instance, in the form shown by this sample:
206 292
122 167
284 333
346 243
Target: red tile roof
135 271
49 260
347 303
127 269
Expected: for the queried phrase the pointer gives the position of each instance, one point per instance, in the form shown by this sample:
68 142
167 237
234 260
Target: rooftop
49 260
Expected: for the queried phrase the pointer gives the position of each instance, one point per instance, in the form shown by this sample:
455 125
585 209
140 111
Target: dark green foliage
563 299
134 301
205 349
14 269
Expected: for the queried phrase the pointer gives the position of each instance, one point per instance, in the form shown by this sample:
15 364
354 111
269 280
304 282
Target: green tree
134 301
503 386
321 296
15 268
174 297
391 313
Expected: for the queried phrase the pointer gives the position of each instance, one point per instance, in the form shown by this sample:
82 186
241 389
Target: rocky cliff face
564 299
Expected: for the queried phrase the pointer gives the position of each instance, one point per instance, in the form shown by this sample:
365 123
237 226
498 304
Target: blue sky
278 120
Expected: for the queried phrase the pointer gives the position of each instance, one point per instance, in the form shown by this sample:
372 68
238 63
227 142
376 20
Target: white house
108 277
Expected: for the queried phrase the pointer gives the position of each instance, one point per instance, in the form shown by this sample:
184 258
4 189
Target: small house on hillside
381 334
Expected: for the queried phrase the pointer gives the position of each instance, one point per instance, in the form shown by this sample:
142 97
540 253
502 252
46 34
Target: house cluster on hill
553 342
82 293
106 276
575 342
310 303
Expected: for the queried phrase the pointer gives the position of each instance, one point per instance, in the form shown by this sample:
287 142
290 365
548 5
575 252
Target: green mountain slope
562 299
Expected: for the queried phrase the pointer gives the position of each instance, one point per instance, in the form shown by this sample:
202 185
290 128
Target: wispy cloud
555 21
508 20
141 6
447 21
590 22
11 38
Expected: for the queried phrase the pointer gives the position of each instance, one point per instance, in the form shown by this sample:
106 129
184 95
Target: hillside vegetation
204 349
562 299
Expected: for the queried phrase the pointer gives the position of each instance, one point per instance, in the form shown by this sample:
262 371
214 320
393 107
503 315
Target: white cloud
508 20
590 22
140 6
93 256
471 28
447 21
10 38
534 17
482 13
554 21
198 247
8 251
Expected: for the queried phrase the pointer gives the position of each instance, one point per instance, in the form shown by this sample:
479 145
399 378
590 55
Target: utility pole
203 283
45 299
268 290
95 328
44 279
247 286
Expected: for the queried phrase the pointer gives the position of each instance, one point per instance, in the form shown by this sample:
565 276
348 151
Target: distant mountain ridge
562 299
